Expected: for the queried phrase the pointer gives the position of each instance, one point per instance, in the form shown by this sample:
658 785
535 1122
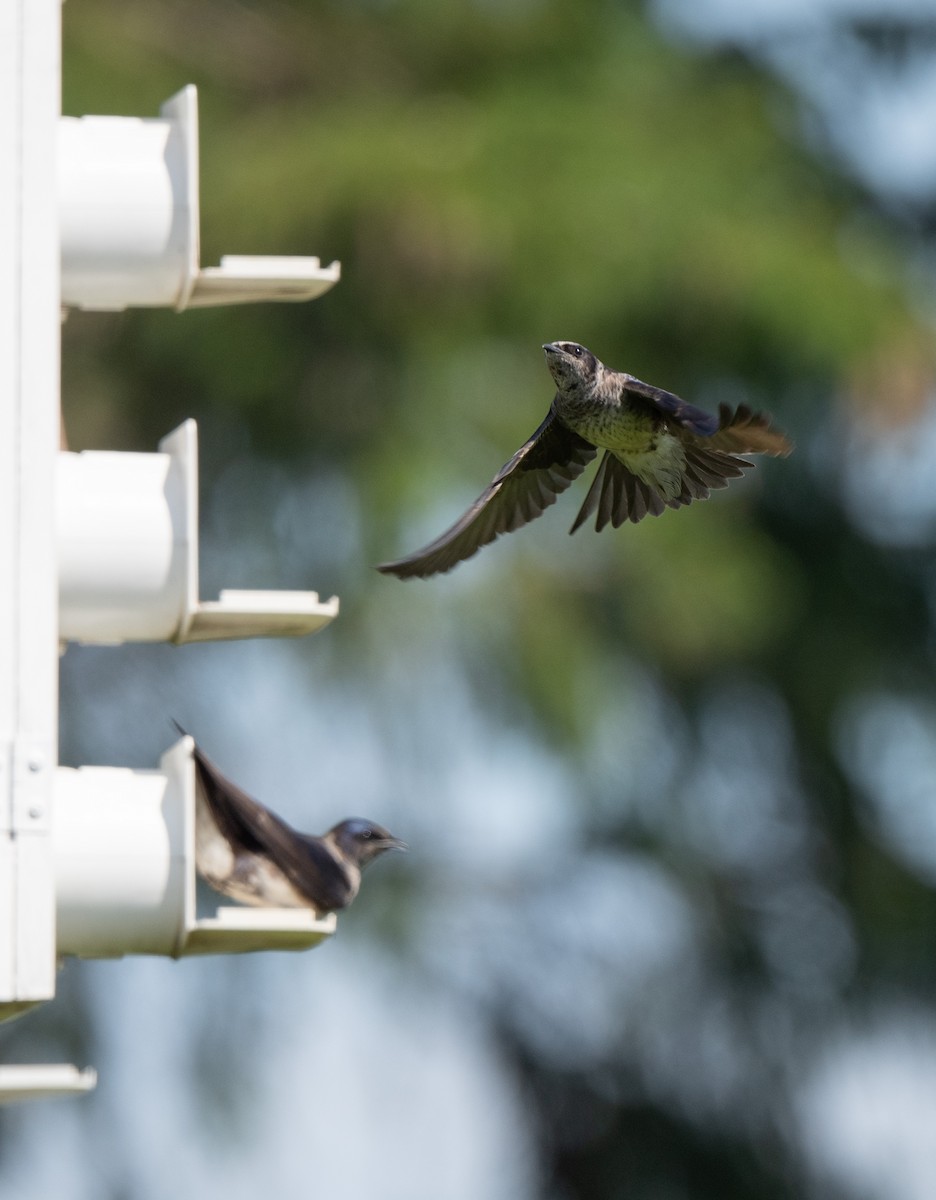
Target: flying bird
659 452
248 853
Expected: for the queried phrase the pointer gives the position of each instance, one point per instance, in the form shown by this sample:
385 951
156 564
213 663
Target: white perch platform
44 1082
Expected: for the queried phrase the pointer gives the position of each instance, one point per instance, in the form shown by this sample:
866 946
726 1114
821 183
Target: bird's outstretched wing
619 495
543 467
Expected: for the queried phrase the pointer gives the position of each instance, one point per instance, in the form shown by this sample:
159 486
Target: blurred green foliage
489 180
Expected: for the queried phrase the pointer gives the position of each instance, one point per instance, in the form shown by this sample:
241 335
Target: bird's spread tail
743 431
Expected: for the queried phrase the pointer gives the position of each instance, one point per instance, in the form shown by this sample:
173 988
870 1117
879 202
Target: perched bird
660 452
248 853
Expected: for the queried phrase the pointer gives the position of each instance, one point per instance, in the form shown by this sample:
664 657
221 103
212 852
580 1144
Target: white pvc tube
127 541
122 556
120 862
128 207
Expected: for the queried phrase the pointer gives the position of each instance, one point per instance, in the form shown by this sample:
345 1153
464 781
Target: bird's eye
366 834
577 351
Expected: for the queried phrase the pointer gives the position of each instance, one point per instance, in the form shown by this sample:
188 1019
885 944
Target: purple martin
659 452
248 853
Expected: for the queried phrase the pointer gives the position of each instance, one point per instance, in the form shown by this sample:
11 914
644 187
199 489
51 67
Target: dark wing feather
543 467
696 420
244 823
738 431
250 828
619 495
592 496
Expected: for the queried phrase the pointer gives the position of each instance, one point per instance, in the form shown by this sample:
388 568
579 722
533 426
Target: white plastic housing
127 538
120 857
129 220
128 207
124 854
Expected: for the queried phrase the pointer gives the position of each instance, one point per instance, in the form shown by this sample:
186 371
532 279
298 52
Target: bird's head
360 841
572 366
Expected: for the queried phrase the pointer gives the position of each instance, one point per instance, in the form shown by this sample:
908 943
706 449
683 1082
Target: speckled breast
612 426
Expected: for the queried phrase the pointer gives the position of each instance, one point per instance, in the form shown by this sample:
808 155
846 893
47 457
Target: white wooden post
29 437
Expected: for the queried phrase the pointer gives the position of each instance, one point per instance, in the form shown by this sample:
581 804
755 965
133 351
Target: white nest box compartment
127 542
129 220
125 882
126 537
119 849
128 208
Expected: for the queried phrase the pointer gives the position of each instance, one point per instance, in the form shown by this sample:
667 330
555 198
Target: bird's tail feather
743 431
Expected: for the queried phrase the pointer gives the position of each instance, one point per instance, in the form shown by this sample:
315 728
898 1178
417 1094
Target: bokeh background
667 926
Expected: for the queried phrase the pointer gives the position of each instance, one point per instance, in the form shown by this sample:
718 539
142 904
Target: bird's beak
393 843
551 348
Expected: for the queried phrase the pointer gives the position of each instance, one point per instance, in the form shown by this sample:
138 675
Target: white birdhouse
102 547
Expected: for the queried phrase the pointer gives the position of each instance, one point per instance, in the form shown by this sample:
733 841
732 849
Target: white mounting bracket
129 220
127 541
124 860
